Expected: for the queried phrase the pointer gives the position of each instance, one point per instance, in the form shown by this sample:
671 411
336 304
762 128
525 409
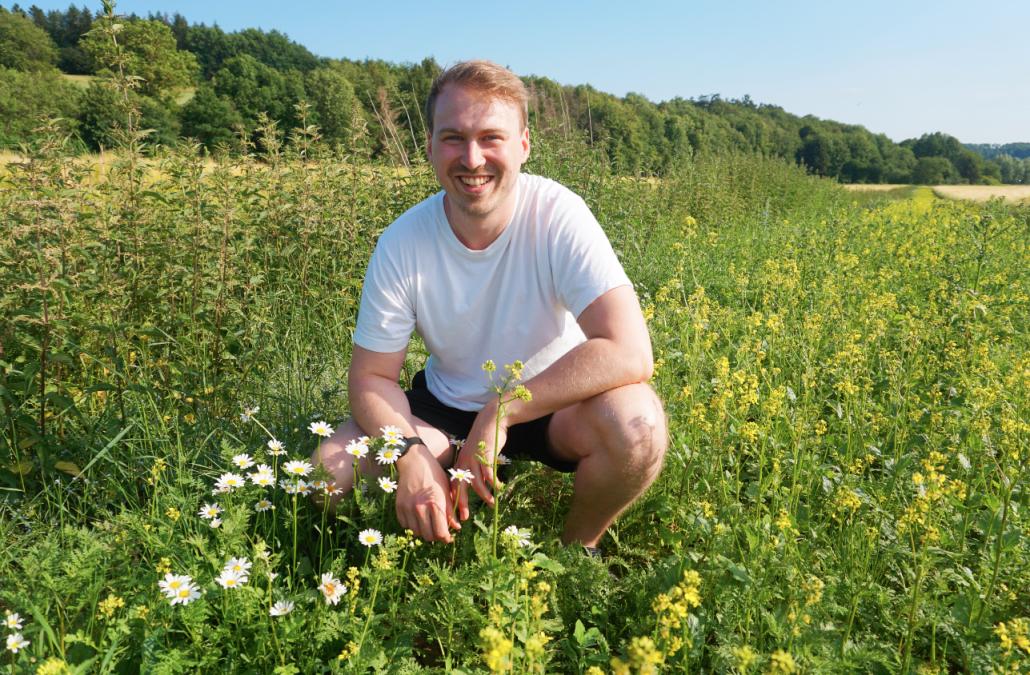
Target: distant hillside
990 151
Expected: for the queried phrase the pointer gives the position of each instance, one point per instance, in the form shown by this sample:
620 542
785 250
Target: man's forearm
376 402
591 368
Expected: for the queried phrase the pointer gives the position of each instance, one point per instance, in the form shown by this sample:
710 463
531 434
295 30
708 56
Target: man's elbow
645 367
640 364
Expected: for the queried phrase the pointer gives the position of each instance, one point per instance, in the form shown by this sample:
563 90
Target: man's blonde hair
485 77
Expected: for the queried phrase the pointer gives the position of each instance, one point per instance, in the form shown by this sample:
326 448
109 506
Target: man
501 266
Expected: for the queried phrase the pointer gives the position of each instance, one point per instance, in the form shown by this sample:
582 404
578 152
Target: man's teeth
475 180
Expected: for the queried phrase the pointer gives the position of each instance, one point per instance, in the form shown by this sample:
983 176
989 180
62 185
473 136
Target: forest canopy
200 82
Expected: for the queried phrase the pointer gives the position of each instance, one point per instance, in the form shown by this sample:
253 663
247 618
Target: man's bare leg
619 438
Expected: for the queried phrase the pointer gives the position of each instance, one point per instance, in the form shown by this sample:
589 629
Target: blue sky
902 68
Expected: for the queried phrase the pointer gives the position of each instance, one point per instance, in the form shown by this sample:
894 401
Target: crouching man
502 266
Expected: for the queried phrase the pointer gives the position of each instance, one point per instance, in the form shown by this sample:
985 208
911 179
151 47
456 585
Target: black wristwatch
412 440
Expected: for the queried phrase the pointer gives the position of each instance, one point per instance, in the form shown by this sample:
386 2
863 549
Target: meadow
846 383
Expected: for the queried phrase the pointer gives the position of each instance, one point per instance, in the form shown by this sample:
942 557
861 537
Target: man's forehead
464 105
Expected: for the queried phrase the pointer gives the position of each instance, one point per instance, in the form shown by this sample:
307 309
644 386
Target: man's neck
475 233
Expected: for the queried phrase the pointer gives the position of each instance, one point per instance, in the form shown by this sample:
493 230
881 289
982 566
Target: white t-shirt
516 299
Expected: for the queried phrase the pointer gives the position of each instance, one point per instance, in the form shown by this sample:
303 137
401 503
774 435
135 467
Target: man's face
477 148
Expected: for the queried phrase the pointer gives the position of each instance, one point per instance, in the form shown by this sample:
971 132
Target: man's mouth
475 181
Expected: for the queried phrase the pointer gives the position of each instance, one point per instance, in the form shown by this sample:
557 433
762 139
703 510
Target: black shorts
525 441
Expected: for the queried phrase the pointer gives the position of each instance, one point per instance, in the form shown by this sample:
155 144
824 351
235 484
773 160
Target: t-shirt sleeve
386 316
585 265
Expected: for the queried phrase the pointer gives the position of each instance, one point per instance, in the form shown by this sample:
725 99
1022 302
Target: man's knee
630 425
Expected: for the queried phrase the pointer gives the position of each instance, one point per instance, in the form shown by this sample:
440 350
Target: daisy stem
263 427
293 570
370 611
321 531
275 638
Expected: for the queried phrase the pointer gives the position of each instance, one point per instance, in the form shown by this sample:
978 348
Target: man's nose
473 156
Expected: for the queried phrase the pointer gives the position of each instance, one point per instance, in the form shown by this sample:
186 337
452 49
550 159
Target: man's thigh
579 430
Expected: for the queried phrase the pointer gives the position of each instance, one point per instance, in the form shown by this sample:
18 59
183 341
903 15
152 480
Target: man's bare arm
617 352
423 497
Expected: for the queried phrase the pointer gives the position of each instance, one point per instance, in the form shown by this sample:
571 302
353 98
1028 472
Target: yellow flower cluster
785 524
932 487
1014 635
845 503
156 469
54 666
813 587
782 662
496 650
109 605
644 658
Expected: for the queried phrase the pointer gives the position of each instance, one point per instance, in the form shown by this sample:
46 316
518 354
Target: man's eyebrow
452 130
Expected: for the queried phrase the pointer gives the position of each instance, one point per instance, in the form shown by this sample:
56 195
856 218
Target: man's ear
525 144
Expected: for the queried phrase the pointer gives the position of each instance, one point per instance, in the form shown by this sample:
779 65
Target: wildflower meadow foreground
846 383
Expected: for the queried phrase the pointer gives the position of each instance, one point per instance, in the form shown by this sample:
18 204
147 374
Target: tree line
200 82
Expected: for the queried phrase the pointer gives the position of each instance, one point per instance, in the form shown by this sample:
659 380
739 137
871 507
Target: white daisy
288 486
318 484
458 443
276 448
12 621
241 565
303 488
298 467
215 523
228 482
358 447
230 579
171 584
502 460
209 511
263 505
332 589
388 455
520 537
186 593
243 460
370 537
461 475
248 413
263 476
392 435
281 608
15 641
387 485
320 429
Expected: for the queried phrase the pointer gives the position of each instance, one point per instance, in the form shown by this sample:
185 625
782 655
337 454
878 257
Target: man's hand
479 460
424 503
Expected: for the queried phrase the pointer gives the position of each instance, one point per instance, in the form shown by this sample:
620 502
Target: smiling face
477 147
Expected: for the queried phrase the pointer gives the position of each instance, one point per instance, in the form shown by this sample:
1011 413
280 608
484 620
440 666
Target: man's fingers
438 524
463 500
479 483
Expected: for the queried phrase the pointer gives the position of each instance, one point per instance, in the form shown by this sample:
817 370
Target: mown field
846 383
